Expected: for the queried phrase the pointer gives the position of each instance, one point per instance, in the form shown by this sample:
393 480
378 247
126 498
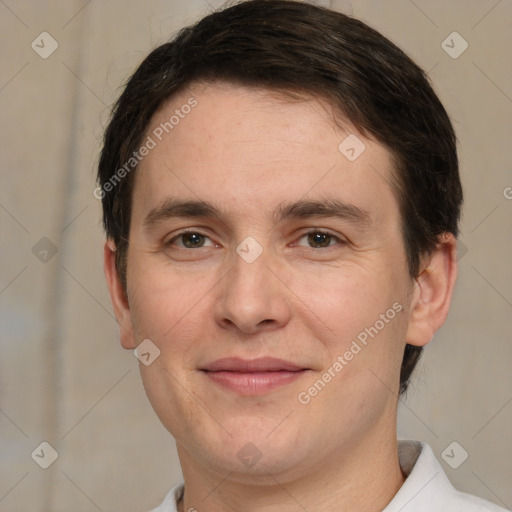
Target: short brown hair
291 46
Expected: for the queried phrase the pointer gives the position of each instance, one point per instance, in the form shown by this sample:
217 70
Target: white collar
427 488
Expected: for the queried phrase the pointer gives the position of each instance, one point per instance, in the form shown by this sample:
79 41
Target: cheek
157 301
343 300
169 309
359 315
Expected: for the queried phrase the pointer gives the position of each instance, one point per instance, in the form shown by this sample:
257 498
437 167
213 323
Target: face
297 255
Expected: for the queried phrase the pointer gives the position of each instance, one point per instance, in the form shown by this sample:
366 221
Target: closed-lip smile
253 376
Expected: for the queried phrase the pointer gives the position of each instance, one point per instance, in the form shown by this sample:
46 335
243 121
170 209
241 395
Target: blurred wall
64 378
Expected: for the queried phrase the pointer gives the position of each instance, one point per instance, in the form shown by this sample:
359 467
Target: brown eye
189 240
320 239
192 240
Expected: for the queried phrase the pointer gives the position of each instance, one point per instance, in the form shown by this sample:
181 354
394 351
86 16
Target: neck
363 477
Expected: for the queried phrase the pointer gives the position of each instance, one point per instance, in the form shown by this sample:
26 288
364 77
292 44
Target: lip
262 364
253 377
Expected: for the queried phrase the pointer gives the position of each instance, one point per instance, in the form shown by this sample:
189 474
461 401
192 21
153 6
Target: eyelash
312 231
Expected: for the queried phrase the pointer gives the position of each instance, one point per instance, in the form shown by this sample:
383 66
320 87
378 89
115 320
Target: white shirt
426 488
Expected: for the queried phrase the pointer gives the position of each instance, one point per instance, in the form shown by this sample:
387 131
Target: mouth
253 377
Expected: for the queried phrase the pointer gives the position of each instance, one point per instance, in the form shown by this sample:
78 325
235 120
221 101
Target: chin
245 455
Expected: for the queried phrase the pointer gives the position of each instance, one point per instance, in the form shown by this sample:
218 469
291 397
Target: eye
320 239
189 239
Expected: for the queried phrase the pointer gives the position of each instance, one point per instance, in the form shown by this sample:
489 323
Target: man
281 199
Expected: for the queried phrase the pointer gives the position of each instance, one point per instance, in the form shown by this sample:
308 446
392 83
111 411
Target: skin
248 150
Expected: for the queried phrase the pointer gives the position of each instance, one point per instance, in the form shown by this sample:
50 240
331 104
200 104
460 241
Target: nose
253 296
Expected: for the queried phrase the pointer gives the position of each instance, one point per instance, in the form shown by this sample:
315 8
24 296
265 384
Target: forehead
254 147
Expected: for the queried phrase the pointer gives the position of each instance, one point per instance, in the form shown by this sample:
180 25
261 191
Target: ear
433 291
118 296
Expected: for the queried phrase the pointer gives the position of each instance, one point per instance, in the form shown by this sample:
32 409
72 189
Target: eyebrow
301 209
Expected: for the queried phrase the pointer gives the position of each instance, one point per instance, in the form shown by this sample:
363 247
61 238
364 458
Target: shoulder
427 487
469 503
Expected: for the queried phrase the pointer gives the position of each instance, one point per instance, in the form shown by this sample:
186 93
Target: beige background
63 375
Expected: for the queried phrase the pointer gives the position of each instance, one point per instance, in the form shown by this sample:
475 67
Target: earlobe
117 295
433 291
